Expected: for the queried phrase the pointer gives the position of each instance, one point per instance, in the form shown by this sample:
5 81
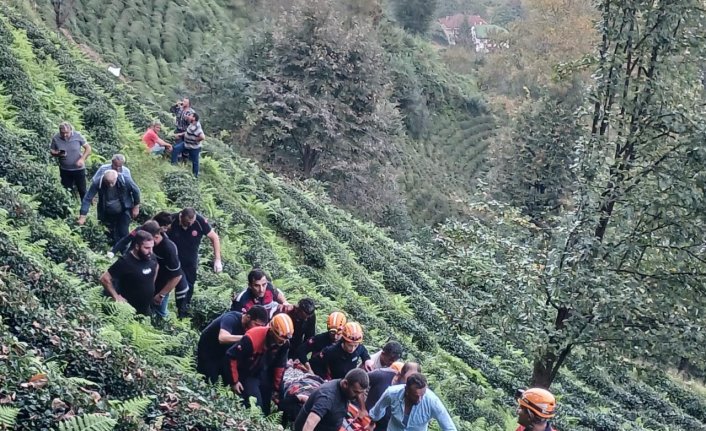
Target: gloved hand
217 266
110 255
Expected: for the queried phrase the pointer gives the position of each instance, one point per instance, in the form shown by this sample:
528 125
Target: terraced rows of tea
69 356
452 157
151 39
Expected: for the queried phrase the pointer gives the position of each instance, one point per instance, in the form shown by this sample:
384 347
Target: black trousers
259 387
118 225
69 179
209 366
190 275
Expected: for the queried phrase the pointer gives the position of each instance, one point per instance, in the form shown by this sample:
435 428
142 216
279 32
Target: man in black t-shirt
170 276
222 333
187 230
135 272
327 406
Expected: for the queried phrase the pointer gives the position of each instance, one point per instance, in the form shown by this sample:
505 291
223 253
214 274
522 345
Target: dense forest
530 216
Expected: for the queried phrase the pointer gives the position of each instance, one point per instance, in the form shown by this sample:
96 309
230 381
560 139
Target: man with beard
326 408
219 335
169 275
256 363
535 407
71 150
412 407
135 272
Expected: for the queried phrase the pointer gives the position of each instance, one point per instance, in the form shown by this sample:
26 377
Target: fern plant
91 422
8 415
134 407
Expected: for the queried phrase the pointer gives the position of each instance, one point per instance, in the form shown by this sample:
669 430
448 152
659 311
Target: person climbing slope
326 408
314 345
260 291
71 150
224 331
304 317
536 406
340 358
187 230
412 406
257 362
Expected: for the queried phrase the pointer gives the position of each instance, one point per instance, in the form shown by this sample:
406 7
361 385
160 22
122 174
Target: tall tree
62 11
623 268
415 15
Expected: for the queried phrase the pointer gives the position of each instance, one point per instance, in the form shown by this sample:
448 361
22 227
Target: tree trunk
684 367
547 367
310 156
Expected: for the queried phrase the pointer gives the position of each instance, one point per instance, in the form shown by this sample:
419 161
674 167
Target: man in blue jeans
193 138
182 110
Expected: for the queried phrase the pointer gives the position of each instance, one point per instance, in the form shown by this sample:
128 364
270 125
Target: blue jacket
128 193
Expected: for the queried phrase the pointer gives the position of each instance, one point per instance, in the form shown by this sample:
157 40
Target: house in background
475 30
488 38
452 25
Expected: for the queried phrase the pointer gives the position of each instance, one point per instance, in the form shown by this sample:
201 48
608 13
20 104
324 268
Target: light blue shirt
430 407
124 172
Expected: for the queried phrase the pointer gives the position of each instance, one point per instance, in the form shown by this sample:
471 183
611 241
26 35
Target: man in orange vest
256 363
535 407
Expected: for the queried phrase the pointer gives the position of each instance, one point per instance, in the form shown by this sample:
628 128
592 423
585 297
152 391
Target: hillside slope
66 352
168 48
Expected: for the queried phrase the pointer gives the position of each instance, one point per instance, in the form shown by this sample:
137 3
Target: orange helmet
539 401
352 332
282 326
397 366
336 320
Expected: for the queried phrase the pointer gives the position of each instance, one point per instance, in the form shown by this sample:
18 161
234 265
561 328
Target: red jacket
251 355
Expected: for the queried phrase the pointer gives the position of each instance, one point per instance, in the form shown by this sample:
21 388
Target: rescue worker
256 363
226 330
339 359
314 345
260 291
536 406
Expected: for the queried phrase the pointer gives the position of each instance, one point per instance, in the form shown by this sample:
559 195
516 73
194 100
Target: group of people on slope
72 150
157 258
118 194
256 346
188 135
251 346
